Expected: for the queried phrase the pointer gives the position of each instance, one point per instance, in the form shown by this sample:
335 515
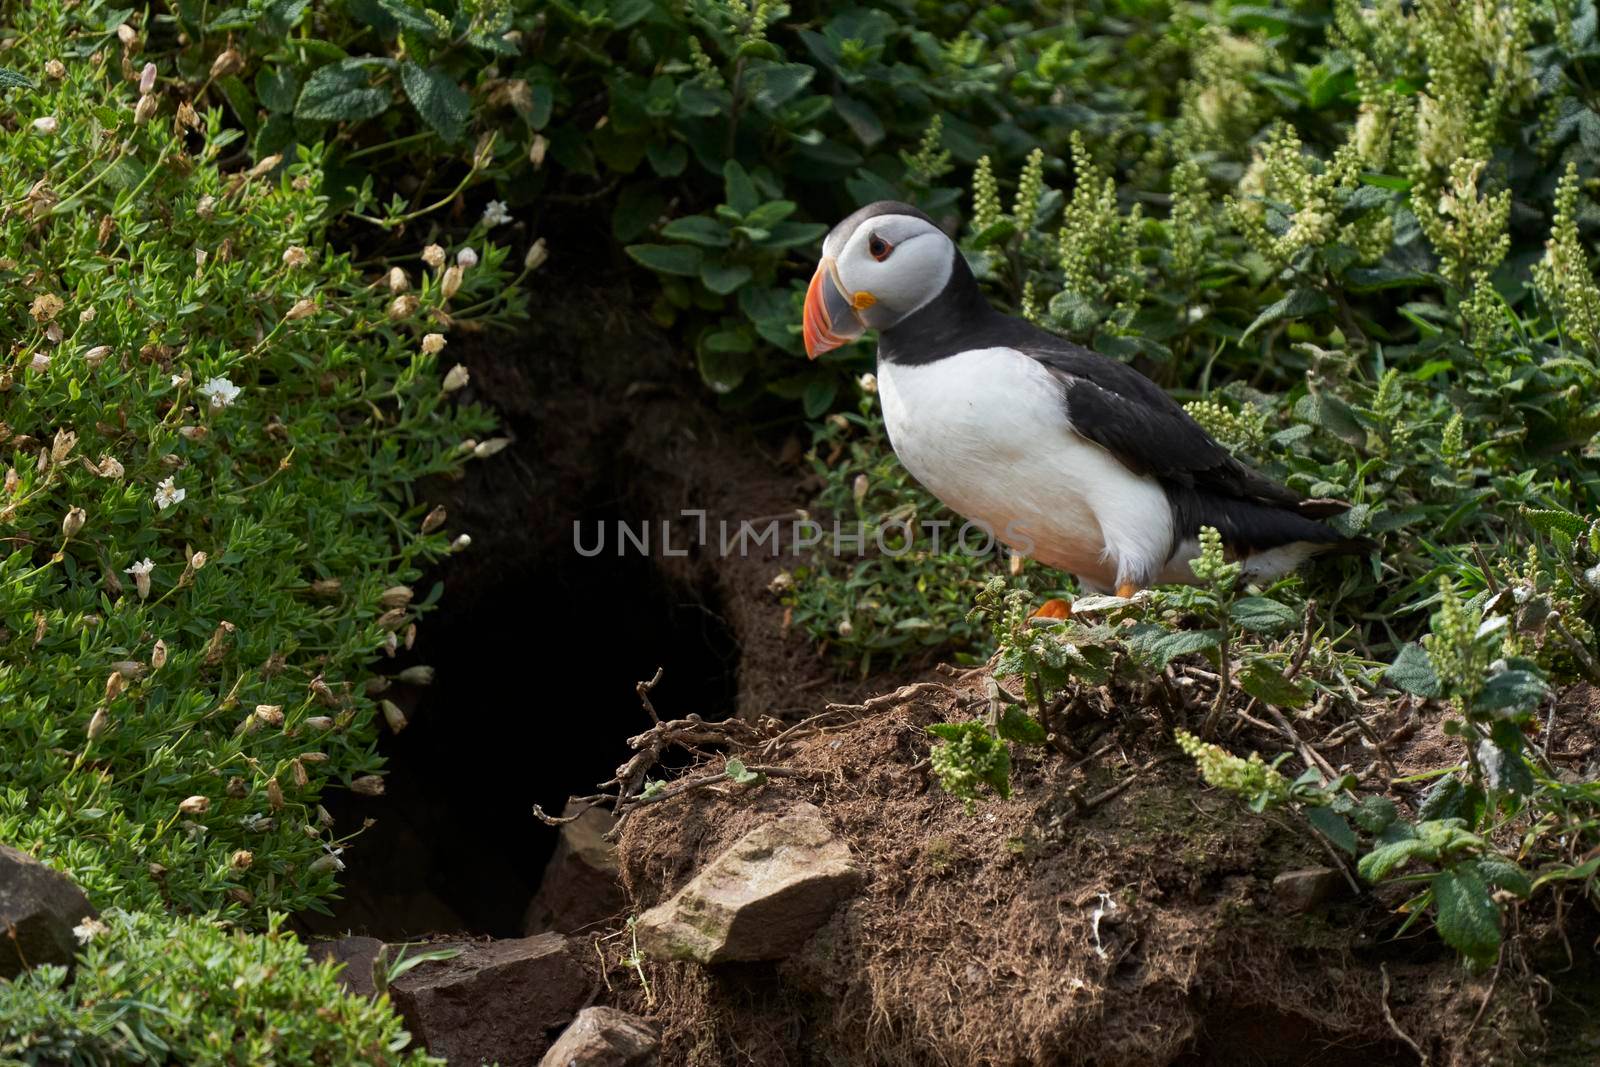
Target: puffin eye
878 248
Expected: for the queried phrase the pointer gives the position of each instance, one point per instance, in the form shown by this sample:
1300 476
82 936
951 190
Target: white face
900 260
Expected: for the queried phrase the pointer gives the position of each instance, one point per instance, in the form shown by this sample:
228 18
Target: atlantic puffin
1063 454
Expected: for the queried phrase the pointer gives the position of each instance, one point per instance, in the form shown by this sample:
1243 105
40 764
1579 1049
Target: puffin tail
1253 526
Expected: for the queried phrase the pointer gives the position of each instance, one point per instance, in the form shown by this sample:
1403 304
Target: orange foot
1054 608
1126 590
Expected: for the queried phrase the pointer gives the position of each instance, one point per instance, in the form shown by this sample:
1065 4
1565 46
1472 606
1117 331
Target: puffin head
878 266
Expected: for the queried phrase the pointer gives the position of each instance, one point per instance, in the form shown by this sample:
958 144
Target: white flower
220 391
177 380
144 566
46 124
433 344
168 494
495 214
1492 760
467 258
89 929
868 383
147 79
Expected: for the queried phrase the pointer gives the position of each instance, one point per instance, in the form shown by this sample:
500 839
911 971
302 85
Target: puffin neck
943 326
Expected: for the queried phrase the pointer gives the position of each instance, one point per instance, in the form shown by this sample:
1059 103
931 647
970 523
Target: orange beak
831 319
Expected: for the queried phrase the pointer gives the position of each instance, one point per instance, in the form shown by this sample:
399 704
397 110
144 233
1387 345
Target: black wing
1130 416
1135 420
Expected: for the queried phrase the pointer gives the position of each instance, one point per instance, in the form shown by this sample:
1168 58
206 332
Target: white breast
986 431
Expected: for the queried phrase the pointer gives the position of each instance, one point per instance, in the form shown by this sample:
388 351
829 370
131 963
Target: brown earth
975 939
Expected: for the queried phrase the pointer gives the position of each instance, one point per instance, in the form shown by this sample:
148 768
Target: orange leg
1055 608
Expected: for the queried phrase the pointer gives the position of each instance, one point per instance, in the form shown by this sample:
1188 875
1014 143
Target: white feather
986 431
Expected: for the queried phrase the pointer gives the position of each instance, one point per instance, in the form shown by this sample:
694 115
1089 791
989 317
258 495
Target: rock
762 899
581 884
604 1037
38 909
357 954
1302 890
497 1002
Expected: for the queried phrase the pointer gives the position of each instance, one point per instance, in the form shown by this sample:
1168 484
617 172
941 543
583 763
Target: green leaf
10 79
997 233
721 369
1299 304
442 103
340 93
1468 920
1266 683
667 259
1375 814
1412 672
862 120
1510 693
724 278
738 190
771 85
1549 521
1017 725
819 396
1334 827
278 87
667 159
1159 646
702 230
1262 615
1376 865
738 772
1502 873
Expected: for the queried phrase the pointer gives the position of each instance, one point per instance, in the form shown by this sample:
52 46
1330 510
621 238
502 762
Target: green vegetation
157 990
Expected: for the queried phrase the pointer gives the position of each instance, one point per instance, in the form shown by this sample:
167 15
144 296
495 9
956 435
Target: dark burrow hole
1264 1035
536 662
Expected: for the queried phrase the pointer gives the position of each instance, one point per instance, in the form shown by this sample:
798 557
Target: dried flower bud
241 896
274 794
398 280
411 636
490 447
323 817
98 723
241 860
396 596
368 785
265 166
195 805
46 124
467 258
537 254
147 79
295 257
456 378
392 620
73 522
327 587
433 343
393 715
859 488
868 383
313 757
297 774
377 684
198 561
418 675
55 70
229 62
319 722
434 519
269 714
116 683
301 309
461 543
451 282
433 256
128 37
144 110
536 150
188 116
327 863
207 207
158 655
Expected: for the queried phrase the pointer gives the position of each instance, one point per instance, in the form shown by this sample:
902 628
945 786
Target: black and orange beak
831 319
